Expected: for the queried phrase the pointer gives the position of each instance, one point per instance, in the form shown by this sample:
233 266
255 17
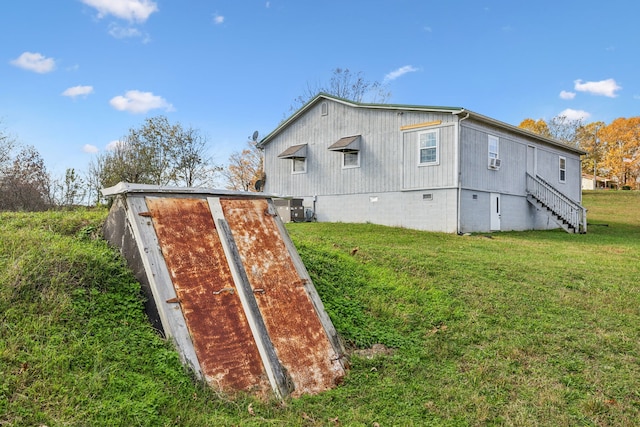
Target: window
350 159
349 147
324 108
299 165
428 145
494 145
563 169
298 156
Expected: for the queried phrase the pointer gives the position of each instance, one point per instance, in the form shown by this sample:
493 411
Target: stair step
562 222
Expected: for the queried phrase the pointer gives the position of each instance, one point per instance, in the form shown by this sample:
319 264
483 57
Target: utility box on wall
227 285
290 210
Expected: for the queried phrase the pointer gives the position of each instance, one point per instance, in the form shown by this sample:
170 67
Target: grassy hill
517 328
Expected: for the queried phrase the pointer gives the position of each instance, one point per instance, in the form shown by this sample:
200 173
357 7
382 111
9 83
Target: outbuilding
225 283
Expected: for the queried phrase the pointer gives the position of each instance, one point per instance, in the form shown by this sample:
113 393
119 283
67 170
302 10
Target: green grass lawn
517 328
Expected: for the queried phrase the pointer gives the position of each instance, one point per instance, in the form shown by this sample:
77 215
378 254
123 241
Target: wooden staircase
569 215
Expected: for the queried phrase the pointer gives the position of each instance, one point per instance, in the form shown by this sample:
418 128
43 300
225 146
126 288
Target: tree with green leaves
158 153
70 190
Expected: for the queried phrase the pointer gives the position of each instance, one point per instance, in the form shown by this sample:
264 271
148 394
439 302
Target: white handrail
561 205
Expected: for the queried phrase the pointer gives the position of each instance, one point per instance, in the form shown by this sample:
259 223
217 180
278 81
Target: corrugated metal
229 288
207 295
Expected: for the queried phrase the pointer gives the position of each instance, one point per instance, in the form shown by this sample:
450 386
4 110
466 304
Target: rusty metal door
248 310
291 320
207 295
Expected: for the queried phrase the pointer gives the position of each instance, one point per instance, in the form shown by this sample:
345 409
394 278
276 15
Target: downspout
459 170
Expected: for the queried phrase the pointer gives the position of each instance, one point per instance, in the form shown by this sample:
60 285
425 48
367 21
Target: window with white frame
494 147
562 169
350 159
299 165
494 152
428 147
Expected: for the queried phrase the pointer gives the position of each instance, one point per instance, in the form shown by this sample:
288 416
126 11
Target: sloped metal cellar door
207 295
292 322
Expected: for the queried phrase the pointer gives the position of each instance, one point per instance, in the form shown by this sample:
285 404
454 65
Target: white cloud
131 10
88 148
399 72
572 114
113 145
135 102
567 95
35 62
603 87
428 29
119 32
218 19
72 92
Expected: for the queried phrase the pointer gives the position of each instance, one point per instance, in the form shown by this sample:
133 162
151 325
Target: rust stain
290 318
220 332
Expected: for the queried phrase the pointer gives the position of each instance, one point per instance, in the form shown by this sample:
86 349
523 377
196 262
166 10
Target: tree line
613 150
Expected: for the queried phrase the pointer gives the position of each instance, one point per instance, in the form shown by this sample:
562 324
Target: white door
495 211
531 160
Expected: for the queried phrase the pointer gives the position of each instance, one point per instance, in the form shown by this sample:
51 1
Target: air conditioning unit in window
494 163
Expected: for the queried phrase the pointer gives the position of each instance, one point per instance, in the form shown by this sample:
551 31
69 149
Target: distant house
601 182
442 169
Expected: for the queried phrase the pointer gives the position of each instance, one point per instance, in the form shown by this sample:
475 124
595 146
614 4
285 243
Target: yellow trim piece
421 125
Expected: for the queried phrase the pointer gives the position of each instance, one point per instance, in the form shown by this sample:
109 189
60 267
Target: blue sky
76 75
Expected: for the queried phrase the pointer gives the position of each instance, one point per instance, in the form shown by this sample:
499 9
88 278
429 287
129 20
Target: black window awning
348 143
294 152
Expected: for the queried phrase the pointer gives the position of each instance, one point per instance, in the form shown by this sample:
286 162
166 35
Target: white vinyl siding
429 147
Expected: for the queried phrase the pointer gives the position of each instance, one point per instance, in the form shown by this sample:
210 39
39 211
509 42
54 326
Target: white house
429 168
601 182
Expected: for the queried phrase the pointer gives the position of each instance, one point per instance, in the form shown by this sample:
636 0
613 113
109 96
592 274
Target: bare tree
25 183
93 177
347 85
7 144
565 129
